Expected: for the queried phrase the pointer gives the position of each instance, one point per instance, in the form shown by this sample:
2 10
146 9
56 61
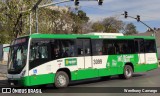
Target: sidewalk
3 76
3 62
3 70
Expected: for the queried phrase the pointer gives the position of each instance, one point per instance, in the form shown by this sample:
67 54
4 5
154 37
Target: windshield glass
17 56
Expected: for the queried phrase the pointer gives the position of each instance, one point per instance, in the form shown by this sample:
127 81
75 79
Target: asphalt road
147 79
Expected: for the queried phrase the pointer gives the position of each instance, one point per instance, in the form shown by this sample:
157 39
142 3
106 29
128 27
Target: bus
41 59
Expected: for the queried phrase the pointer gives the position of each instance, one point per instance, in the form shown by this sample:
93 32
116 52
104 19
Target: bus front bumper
14 82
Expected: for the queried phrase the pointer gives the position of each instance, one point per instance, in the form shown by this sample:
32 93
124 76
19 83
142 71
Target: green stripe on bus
38 79
83 74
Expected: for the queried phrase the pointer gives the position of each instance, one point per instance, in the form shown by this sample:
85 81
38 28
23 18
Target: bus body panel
108 67
83 67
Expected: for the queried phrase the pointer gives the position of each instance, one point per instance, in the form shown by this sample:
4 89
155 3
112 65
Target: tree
112 25
13 22
98 27
79 20
130 29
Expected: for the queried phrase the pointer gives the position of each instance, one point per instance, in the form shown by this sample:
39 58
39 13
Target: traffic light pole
36 6
154 32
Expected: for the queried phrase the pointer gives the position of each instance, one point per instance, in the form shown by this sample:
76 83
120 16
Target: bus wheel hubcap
61 80
128 72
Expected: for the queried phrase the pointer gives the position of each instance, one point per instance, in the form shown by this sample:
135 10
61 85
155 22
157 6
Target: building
157 35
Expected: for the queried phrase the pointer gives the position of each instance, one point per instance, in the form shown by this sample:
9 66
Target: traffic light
138 18
125 14
100 2
76 2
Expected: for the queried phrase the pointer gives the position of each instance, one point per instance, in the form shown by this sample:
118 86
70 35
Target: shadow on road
138 75
95 80
4 83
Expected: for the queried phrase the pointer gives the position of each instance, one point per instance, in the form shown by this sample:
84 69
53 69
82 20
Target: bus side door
139 48
85 69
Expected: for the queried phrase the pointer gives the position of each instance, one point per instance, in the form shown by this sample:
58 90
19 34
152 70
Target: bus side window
136 46
80 47
111 48
97 47
150 46
142 46
87 47
38 53
55 49
131 49
68 48
139 45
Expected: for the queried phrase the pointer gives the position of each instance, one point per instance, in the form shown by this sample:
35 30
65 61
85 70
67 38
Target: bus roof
74 36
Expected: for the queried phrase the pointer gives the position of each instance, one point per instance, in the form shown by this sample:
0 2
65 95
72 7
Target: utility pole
36 7
36 13
30 26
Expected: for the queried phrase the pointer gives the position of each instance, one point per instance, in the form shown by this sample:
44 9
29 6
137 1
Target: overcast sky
149 10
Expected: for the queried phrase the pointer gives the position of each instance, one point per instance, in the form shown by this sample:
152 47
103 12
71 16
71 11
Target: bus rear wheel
128 72
61 79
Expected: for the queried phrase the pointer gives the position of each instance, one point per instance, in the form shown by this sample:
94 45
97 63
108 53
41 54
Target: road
147 79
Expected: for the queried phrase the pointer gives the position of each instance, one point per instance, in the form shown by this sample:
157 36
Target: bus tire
128 72
61 79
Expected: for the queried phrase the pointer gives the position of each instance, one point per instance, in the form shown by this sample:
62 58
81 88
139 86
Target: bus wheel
128 72
61 79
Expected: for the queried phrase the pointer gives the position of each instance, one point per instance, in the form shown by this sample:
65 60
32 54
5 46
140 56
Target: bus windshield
17 56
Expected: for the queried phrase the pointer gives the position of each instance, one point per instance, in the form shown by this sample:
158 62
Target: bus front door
85 69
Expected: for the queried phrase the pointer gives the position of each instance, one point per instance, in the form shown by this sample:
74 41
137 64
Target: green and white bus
40 59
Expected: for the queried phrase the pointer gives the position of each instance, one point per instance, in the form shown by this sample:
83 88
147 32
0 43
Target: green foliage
108 25
130 29
98 27
112 25
14 20
79 20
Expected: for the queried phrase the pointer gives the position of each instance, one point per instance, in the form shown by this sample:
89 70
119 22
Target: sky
149 11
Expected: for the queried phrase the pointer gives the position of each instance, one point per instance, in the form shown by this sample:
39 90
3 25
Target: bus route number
97 61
